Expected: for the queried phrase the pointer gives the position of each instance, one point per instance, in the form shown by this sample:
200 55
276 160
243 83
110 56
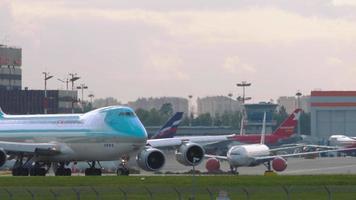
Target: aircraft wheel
63 172
67 172
123 172
20 171
38 171
92 172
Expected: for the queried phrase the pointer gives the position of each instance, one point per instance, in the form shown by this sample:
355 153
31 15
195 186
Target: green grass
178 181
163 187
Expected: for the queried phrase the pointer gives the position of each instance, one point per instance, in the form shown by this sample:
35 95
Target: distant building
10 68
333 112
33 101
217 105
290 103
178 104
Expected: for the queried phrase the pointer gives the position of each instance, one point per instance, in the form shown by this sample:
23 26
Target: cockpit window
128 114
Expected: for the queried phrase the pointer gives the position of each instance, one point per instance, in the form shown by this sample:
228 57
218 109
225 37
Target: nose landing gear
122 169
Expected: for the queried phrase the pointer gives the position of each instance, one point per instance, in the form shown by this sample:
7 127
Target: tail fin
263 132
1 113
286 129
170 128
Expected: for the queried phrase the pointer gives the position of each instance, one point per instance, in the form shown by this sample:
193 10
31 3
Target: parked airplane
169 129
250 155
37 142
342 141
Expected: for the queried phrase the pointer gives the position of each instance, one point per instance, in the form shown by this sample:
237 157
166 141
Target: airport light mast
190 109
91 96
45 102
66 81
243 84
230 98
82 87
73 78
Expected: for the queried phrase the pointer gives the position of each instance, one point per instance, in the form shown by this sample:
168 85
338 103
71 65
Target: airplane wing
12 148
268 158
176 141
296 146
223 158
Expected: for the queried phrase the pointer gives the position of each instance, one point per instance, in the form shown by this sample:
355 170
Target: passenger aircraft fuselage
103 134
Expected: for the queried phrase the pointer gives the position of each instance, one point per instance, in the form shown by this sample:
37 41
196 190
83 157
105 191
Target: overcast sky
130 49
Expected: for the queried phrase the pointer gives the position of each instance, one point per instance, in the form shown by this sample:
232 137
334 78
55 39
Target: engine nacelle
3 157
190 154
279 164
212 165
150 159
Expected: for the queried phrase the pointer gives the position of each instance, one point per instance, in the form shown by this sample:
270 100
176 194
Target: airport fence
158 193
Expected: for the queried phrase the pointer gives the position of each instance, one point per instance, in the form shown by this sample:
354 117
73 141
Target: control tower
254 122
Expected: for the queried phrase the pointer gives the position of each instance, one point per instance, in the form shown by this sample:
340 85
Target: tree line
156 117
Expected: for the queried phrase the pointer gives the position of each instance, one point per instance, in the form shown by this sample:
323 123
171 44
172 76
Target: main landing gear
269 170
233 170
62 171
18 169
39 169
21 168
92 171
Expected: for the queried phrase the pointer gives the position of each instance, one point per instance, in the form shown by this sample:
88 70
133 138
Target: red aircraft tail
286 129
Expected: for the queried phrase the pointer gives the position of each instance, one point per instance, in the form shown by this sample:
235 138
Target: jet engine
3 157
190 154
279 164
212 165
150 159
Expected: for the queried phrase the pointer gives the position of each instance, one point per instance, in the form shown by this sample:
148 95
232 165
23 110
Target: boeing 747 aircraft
38 142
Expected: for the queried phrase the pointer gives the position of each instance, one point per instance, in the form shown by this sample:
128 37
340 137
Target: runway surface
296 166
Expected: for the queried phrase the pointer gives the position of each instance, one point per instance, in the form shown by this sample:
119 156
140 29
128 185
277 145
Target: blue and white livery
38 142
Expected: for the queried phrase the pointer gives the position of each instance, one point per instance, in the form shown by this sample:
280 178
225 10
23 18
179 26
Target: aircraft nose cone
141 133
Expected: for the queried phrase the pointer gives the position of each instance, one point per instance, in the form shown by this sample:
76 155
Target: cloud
233 64
256 24
165 67
344 2
334 61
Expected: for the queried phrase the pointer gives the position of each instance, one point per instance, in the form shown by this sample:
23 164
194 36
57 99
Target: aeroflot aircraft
37 142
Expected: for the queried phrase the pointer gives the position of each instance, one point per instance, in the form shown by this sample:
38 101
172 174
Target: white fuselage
342 141
243 155
102 134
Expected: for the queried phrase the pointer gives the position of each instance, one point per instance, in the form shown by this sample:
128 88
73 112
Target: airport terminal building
333 112
14 100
